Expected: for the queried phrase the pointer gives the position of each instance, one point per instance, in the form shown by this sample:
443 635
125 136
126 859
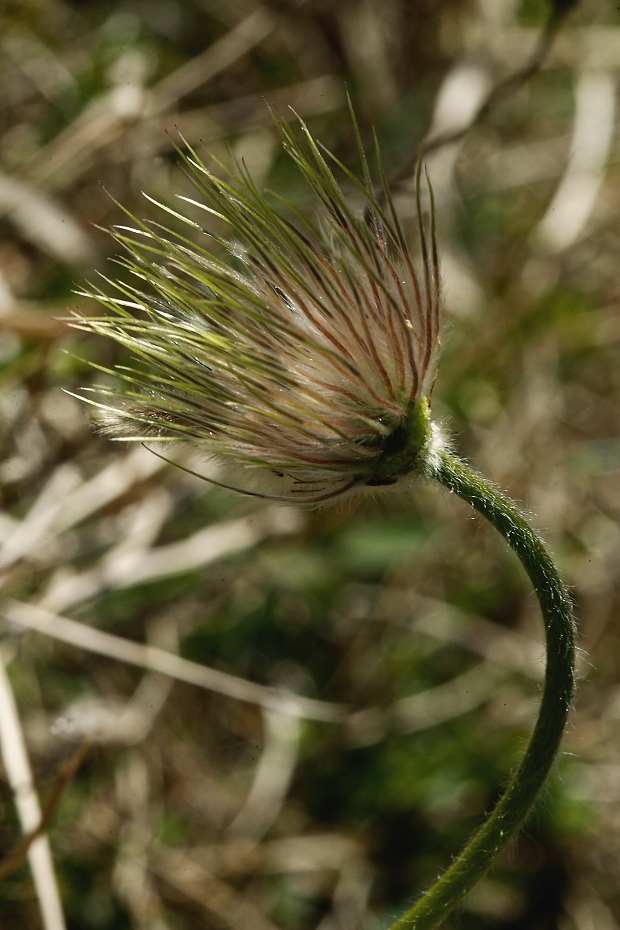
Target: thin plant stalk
522 791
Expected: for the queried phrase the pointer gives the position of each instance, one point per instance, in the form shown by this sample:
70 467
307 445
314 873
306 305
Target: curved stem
521 793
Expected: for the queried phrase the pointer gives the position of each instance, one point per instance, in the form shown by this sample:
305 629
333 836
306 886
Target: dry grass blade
66 775
219 898
17 767
220 55
593 132
273 776
76 634
509 84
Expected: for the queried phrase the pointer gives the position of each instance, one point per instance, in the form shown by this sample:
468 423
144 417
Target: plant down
306 348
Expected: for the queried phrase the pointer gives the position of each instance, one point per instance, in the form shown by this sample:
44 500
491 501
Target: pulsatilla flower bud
305 348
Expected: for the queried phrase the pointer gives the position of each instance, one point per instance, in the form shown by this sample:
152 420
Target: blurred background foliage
406 627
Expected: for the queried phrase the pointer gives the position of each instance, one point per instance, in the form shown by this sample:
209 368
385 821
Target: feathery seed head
305 348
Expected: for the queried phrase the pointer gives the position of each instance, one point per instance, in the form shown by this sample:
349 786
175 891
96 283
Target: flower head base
306 349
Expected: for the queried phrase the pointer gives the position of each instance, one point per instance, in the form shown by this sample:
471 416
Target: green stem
514 805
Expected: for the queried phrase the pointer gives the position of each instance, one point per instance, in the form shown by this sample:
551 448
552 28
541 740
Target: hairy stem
514 805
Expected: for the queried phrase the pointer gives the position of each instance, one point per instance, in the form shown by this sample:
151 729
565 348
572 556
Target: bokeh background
172 623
